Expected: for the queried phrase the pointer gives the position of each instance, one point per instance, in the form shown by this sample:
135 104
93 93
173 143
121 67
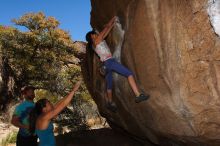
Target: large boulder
173 48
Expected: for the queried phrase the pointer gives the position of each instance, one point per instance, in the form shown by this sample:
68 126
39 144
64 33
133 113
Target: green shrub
11 138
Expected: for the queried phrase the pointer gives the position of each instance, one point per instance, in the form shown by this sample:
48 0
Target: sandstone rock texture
173 48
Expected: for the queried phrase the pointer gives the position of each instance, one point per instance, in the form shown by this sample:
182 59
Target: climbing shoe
141 97
111 106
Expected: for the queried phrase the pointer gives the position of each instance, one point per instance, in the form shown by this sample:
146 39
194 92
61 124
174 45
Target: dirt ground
96 137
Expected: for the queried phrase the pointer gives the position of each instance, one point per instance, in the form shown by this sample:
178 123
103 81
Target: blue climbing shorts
113 66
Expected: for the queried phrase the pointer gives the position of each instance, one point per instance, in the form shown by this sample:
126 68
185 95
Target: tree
5 71
43 55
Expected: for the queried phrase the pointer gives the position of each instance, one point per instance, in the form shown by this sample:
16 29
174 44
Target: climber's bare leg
110 104
109 96
139 96
133 85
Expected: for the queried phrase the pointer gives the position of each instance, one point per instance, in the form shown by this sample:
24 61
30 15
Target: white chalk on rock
214 15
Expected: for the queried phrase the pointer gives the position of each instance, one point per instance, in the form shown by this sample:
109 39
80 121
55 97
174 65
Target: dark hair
34 114
89 54
26 88
89 39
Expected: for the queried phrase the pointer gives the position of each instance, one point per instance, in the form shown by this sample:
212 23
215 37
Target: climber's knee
129 74
109 86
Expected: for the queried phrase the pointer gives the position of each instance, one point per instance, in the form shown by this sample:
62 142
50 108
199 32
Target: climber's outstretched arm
106 30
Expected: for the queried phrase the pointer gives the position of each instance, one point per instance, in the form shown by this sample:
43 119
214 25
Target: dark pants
26 141
113 66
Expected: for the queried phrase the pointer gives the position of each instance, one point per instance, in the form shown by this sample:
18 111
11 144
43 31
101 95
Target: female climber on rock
98 44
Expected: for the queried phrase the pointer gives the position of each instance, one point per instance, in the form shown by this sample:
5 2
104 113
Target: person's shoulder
24 104
103 41
31 104
100 43
20 104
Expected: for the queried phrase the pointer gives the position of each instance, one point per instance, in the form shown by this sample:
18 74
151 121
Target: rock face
173 48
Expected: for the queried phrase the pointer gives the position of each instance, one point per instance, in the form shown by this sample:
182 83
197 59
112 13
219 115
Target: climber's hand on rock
113 20
117 19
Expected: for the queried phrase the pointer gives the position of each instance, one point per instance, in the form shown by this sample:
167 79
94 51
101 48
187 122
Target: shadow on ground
96 137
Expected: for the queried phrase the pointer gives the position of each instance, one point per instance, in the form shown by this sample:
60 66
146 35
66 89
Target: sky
73 15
